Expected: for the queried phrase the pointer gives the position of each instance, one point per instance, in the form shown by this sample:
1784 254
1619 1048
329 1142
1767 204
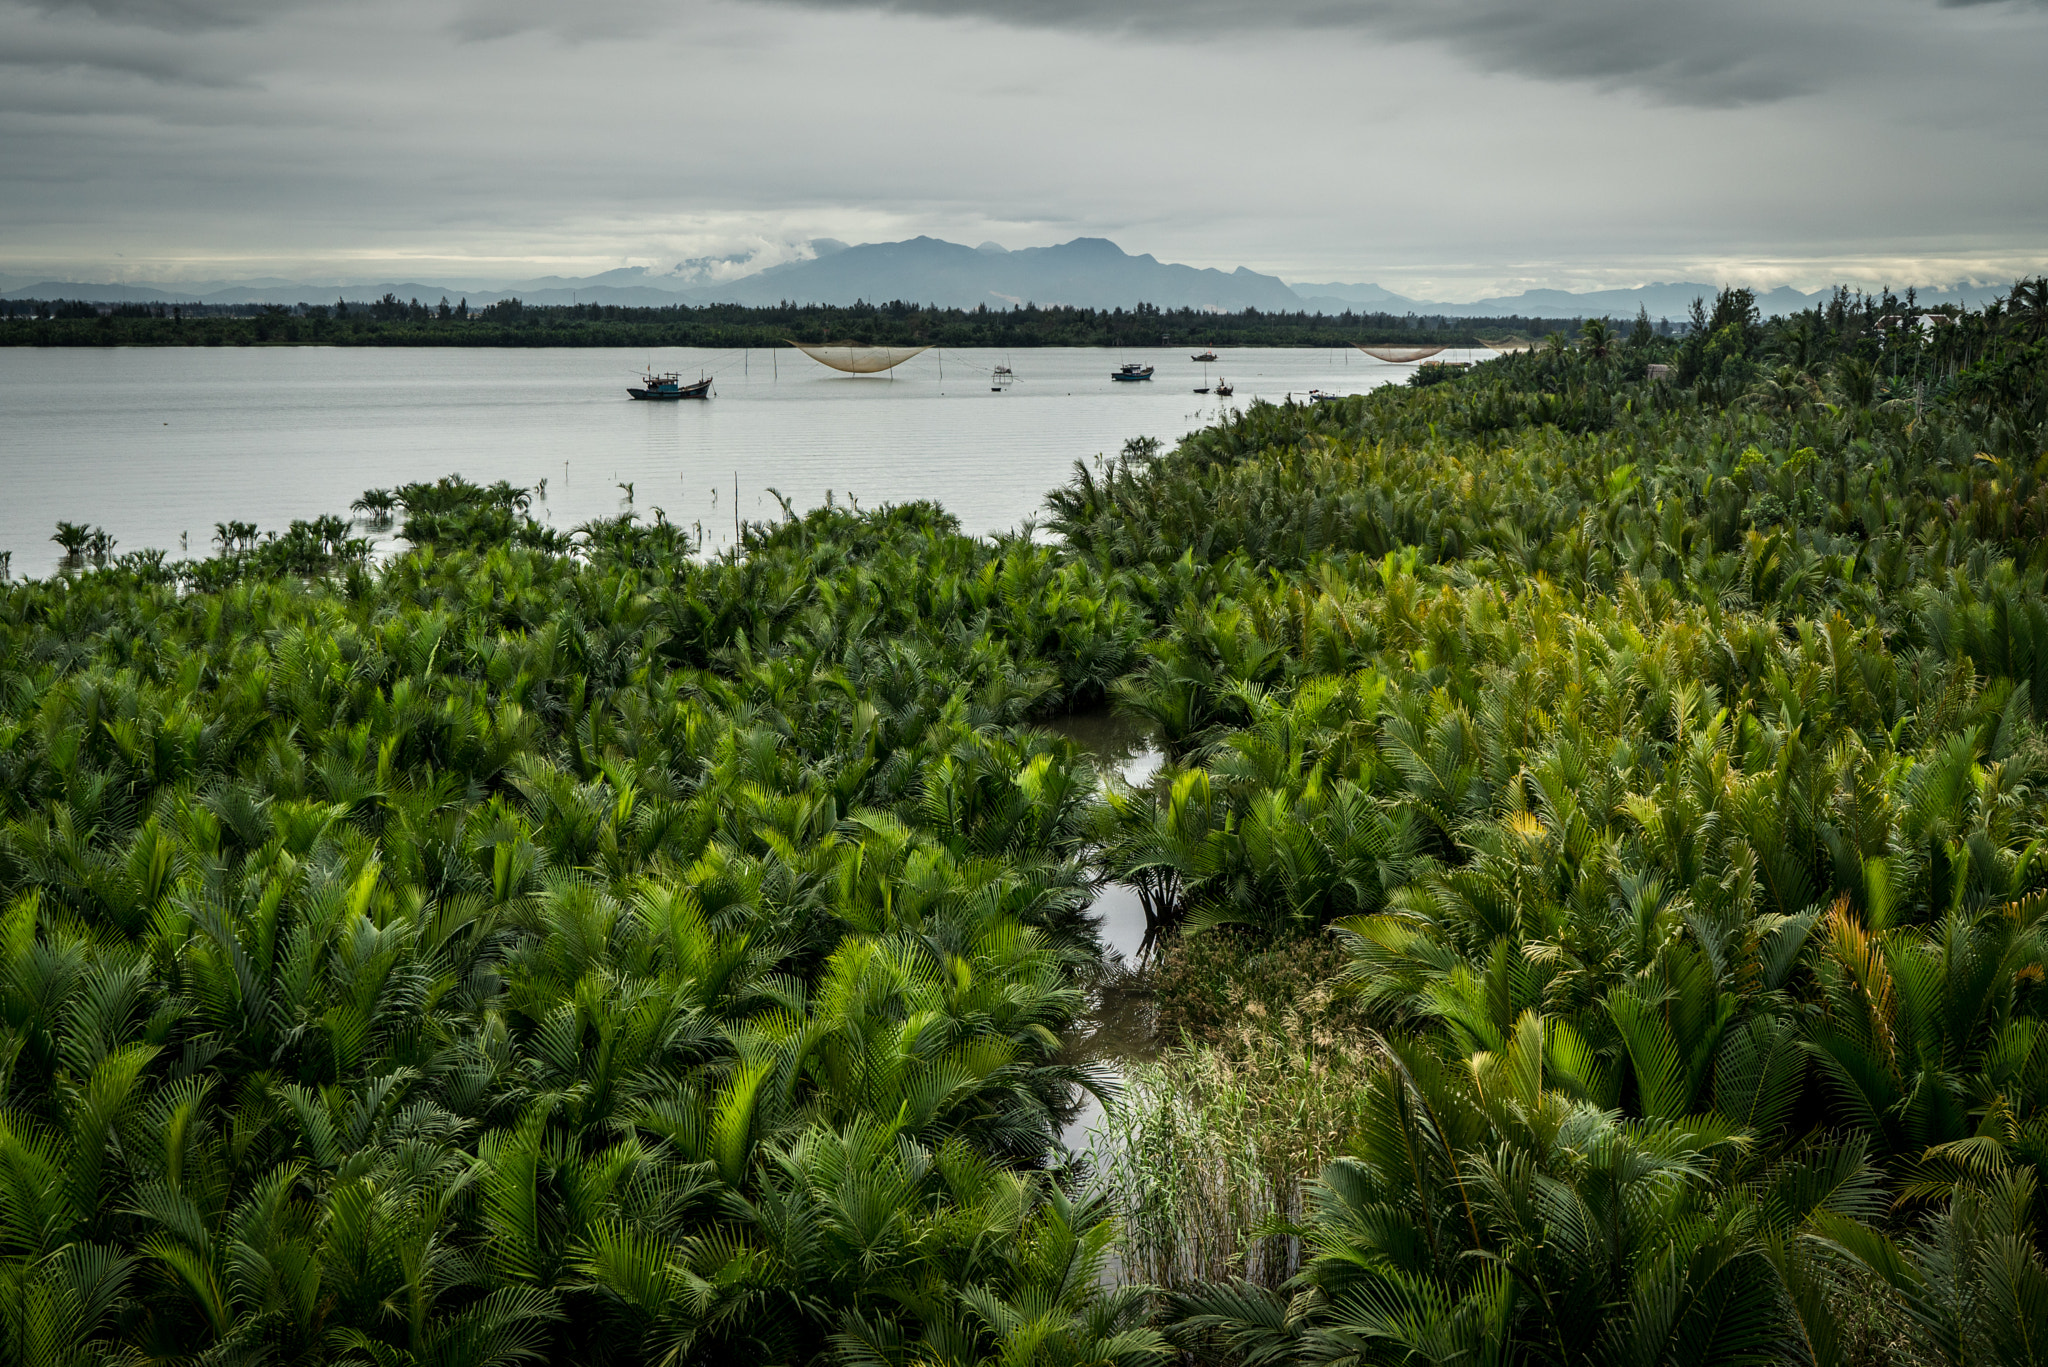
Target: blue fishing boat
670 386
1131 370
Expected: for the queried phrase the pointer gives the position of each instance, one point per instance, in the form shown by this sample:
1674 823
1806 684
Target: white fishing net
859 360
1398 354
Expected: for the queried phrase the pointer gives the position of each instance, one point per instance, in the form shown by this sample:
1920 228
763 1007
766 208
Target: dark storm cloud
1466 146
170 16
40 42
1711 55
44 54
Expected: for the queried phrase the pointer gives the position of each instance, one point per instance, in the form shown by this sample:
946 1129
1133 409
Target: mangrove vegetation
1597 868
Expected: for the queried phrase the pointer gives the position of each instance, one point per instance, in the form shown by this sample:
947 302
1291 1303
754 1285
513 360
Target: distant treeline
391 321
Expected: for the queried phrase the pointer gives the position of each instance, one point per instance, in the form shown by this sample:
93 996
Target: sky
1443 148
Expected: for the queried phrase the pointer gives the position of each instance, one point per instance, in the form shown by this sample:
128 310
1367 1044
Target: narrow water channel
1116 1026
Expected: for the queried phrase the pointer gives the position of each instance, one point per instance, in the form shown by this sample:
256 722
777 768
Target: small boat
1202 389
1204 358
670 386
1224 389
1131 370
1001 378
1320 396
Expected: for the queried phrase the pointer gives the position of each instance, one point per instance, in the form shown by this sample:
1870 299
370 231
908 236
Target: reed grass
1207 1154
1223 986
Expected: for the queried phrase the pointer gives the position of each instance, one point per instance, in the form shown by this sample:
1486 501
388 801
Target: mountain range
1088 272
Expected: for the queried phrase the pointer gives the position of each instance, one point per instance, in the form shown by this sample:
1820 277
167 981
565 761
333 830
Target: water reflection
1120 922
1116 1027
1123 749
1118 744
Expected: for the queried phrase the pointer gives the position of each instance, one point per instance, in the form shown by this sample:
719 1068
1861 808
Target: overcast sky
1444 148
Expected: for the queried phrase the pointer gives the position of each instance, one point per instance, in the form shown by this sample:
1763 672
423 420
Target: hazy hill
1090 272
1336 297
102 294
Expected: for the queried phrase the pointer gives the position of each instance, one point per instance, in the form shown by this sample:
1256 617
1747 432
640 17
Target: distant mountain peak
1086 272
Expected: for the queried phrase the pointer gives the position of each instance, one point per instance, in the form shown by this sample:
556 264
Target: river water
159 444
1116 1025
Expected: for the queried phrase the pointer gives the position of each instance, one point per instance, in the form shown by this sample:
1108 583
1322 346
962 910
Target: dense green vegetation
1669 759
393 322
616 953
582 950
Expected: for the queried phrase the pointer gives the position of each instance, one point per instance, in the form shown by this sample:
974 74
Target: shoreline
555 343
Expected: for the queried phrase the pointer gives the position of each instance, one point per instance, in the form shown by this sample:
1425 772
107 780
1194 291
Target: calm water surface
159 443
1116 1025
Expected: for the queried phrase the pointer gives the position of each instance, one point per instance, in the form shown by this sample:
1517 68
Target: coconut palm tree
2029 304
1595 337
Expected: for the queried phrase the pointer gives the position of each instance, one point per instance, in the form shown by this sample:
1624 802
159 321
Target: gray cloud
1710 55
170 16
1447 149
36 43
1684 54
485 20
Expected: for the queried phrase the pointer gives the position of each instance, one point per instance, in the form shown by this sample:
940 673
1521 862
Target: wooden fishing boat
1204 358
1131 370
670 386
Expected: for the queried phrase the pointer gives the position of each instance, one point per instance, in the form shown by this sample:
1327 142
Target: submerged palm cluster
508 954
575 949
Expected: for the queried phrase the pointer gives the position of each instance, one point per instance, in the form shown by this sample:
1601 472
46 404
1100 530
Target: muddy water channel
1116 1027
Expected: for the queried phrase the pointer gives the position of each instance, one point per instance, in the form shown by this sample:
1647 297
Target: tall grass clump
1208 1155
